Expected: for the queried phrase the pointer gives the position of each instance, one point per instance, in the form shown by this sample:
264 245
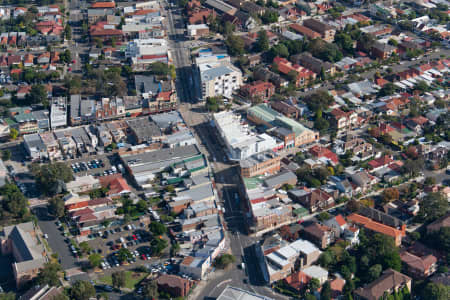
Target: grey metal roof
234 293
215 72
167 119
280 178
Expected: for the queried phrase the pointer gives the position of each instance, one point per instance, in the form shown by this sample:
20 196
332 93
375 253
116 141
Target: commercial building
83 184
58 112
263 114
240 142
144 166
82 111
259 164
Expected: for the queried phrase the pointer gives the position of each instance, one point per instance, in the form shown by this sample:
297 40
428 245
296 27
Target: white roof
315 272
197 26
304 246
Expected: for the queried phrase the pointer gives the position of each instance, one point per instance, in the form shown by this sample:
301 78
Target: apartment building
389 282
326 31
258 90
239 140
343 120
303 76
219 79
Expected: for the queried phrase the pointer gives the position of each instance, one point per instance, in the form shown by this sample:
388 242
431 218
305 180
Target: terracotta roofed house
371 225
109 4
305 31
258 90
326 31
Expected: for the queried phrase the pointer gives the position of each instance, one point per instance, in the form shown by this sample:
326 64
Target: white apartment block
219 79
240 141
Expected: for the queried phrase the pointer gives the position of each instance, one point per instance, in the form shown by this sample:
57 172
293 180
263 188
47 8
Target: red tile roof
375 226
305 31
380 162
103 5
340 220
319 151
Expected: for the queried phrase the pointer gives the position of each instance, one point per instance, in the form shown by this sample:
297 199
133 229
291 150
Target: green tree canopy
49 274
95 260
48 175
118 279
158 228
224 261
37 95
82 290
262 43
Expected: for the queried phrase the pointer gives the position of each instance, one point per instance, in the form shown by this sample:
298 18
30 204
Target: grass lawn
131 279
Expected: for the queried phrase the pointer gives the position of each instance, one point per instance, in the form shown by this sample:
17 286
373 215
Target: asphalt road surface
55 238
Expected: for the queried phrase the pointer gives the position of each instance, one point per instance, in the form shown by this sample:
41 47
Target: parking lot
98 165
135 237
55 238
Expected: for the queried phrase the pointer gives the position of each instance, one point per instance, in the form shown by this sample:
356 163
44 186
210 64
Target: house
264 74
258 90
377 227
302 76
343 120
389 282
44 58
23 243
419 267
337 224
381 162
297 281
326 31
324 153
44 292
314 200
174 285
117 185
83 184
439 223
321 235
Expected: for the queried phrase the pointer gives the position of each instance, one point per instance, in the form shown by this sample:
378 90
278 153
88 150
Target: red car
69 69
144 257
74 61
134 237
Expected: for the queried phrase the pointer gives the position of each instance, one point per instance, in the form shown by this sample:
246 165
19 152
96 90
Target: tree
436 291
84 247
422 86
37 95
390 194
159 68
387 90
13 133
158 228
292 76
158 245
118 279
412 167
95 260
150 290
325 292
224 261
56 206
123 254
82 290
326 259
430 181
278 50
68 32
235 45
66 56
8 296
175 249
270 16
6 155
374 272
14 203
432 207
321 124
48 175
320 100
49 274
313 285
262 43
393 42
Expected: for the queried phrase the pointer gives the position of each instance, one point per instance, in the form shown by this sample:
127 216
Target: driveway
55 239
